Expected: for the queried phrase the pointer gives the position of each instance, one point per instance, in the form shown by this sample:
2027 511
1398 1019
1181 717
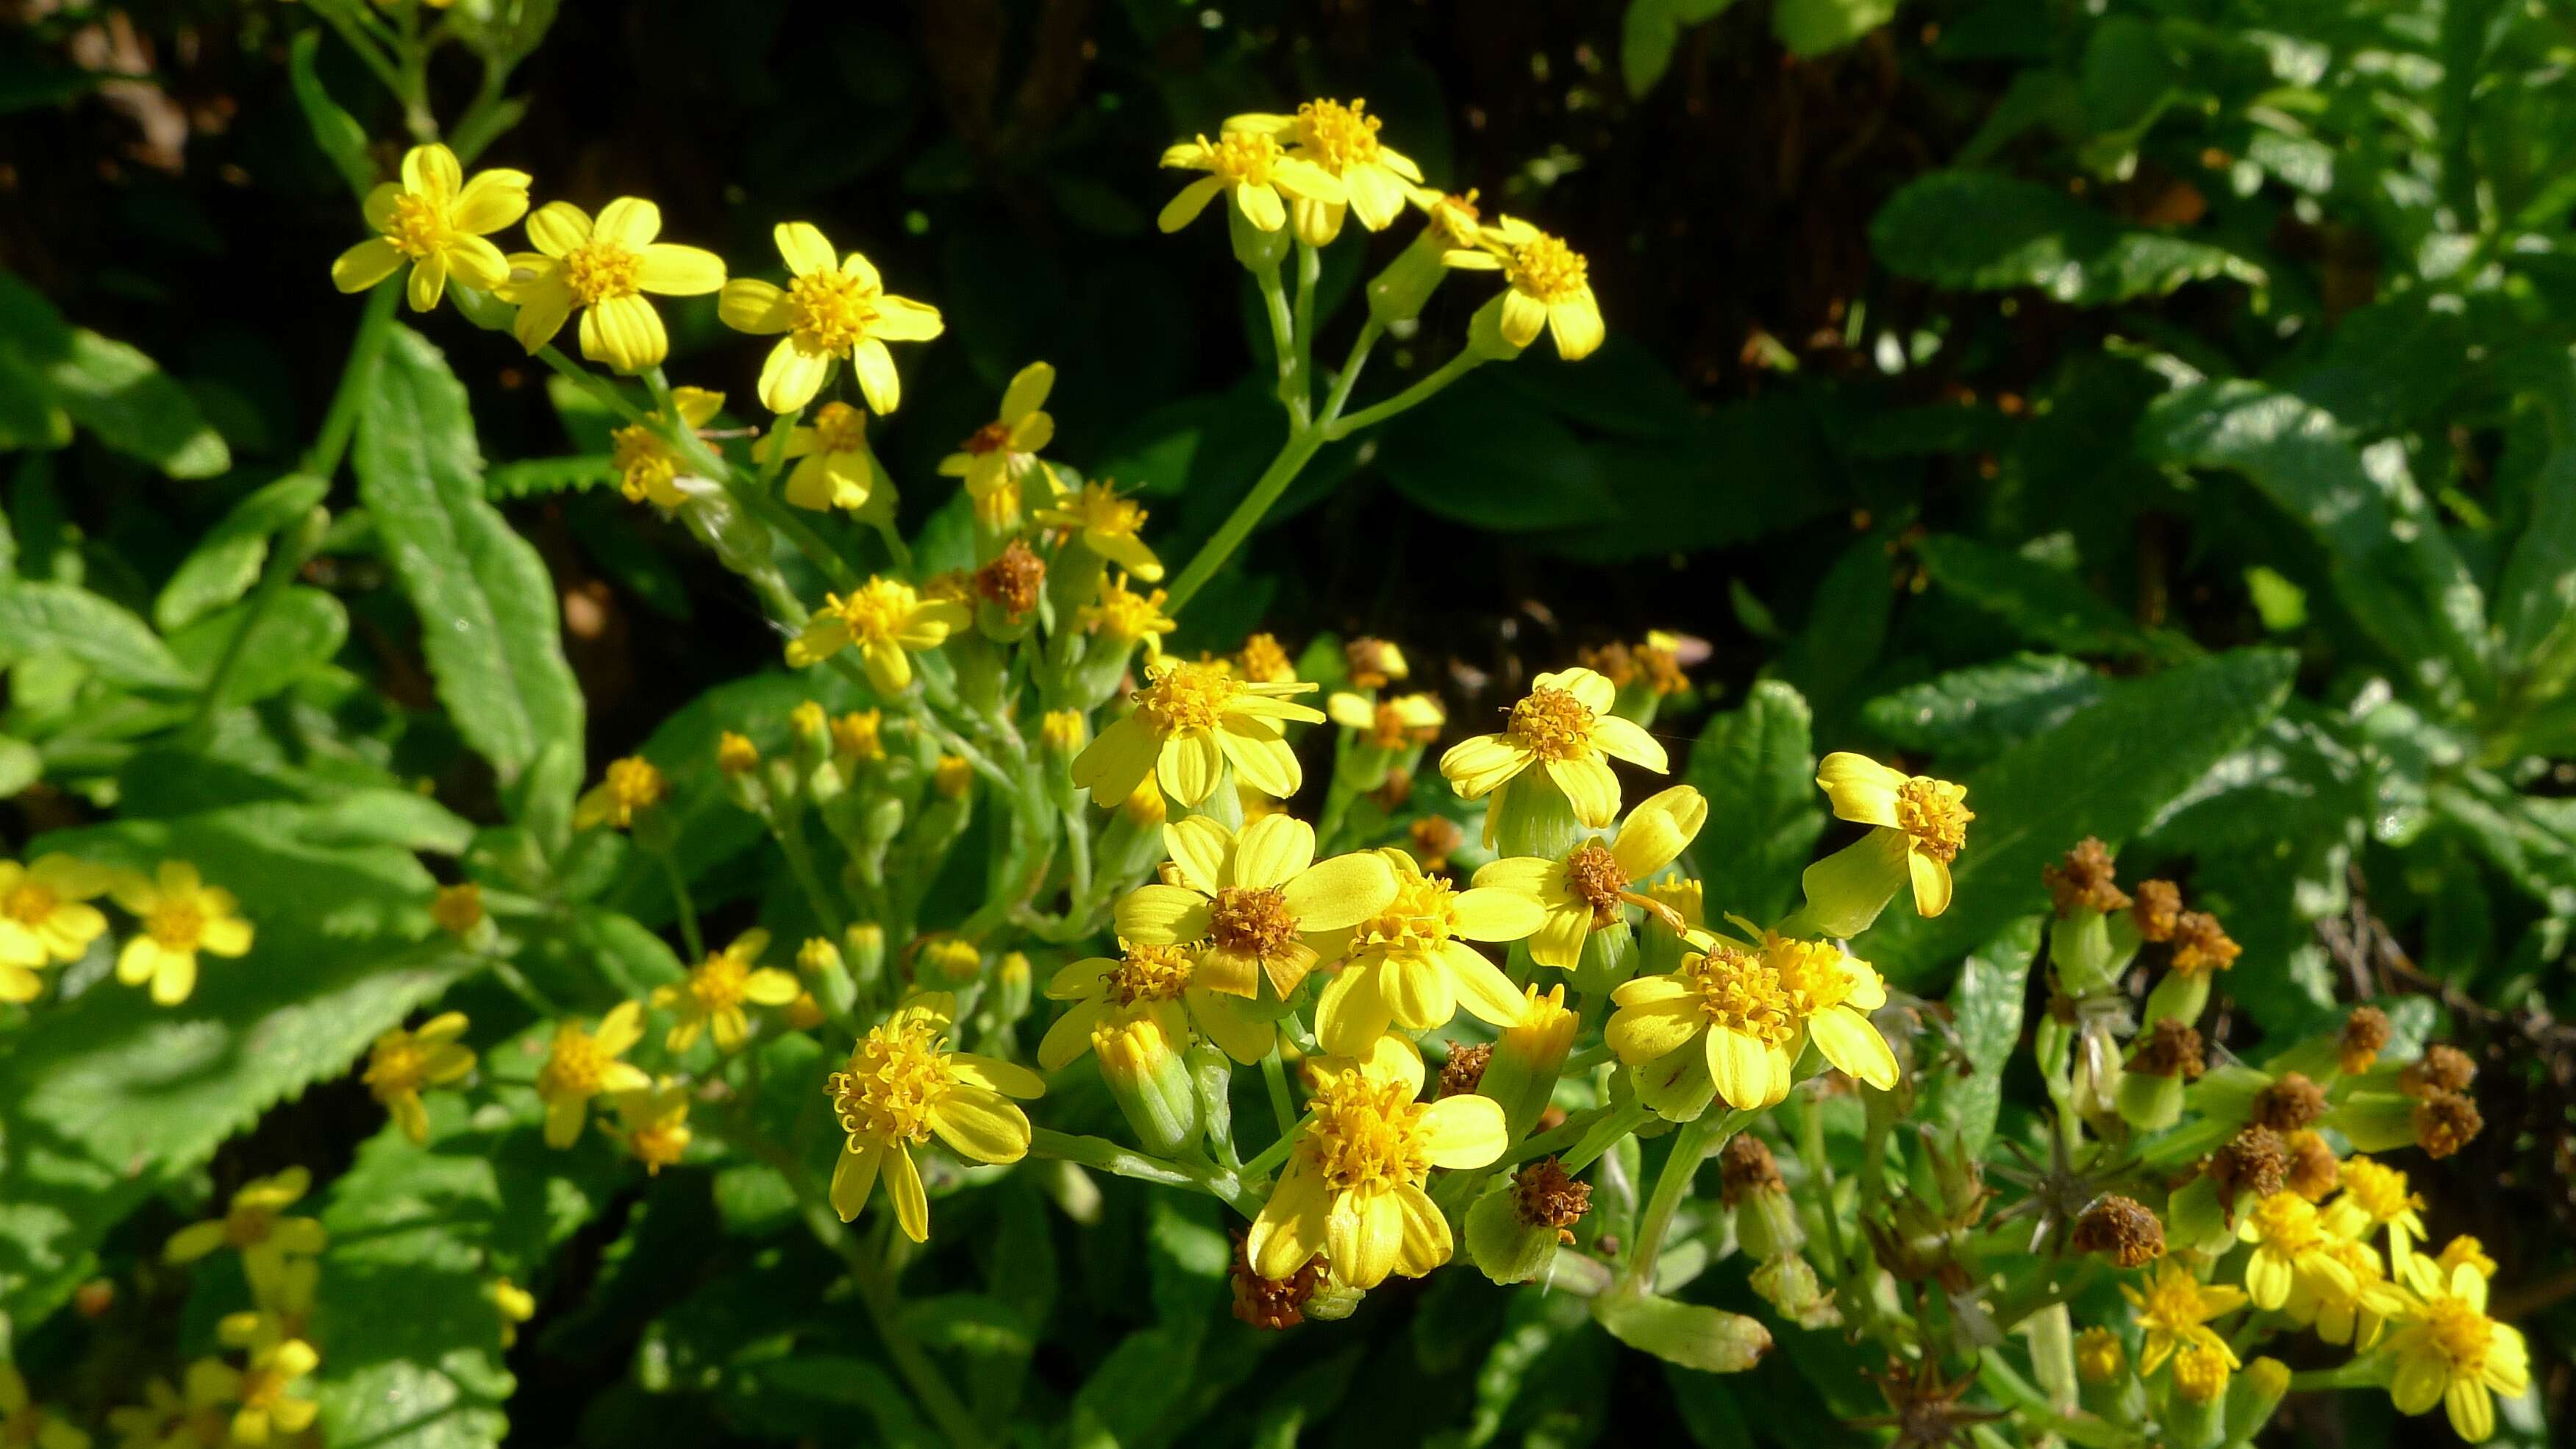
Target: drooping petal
1478 764
1624 739
1261 205
981 1124
1559 939
1653 1029
1188 202
1427 1243
1860 789
1740 1065
1481 987
1931 879
749 304
1242 1037
1289 1229
1260 757
993 1074
911 1204
477 263
1494 913
624 332
428 281
1115 763
1463 1131
1069 1036
1590 787
1352 1011
878 380
1419 992
1189 766
1363 1232
364 265
1849 1041
543 307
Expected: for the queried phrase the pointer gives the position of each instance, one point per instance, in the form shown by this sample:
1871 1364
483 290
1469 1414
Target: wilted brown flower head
2290 1103
2122 1230
2084 880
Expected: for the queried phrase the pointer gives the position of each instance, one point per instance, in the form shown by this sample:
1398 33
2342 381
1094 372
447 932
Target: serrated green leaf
124 399
537 477
299 632
1969 714
46 618
1986 232
1757 767
1986 1011
2042 604
225 563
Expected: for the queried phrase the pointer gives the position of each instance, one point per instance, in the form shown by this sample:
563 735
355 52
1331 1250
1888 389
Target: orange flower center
1935 814
1366 1134
1417 921
717 984
840 428
177 924
644 463
602 271
833 310
1548 269
1812 974
1242 157
1245 921
1741 993
29 904
1593 874
576 1065
418 227
634 784
1338 136
1186 697
397 1067
2459 1333
877 610
1149 973
1553 724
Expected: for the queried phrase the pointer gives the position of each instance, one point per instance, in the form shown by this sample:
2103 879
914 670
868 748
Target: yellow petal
1478 764
1200 847
1351 1012
558 227
1623 739
877 377
1589 787
364 265
1427 1243
808 252
992 1074
749 304
1162 915
1363 1232
981 1124
1189 765
1860 789
1271 852
1495 913
1849 1041
678 271
1337 894
911 1204
630 222
1931 883
1261 759
1463 1131
624 332
1115 763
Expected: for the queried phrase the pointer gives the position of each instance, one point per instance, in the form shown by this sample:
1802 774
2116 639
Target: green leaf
300 631
40 618
225 563
2537 599
1970 714
1984 232
1812 27
2108 771
1986 1011
489 620
1757 766
537 477
1708 1408
131 405
1473 457
969 1323
335 131
1846 624
1647 34
2042 604
21 765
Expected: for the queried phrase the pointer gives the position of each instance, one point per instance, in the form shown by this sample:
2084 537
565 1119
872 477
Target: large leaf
1986 1012
1987 232
1757 766
225 563
2108 772
66 619
1472 457
1968 715
2042 604
298 632
489 620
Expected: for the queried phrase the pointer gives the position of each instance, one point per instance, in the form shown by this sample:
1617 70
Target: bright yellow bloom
1254 170
631 787
1157 982
832 306
2450 1352
1564 725
604 268
24 1422
1190 722
2466 1249
1925 818
1002 452
1126 616
255 1226
834 468
1550 289
1107 524
713 997
285 1306
265 1389
1410 964
402 1063
888 620
2376 1196
1263 660
165 1419
2201 1370
902 1085
1591 887
1389 724
859 735
1343 141
736 754
653 1122
181 916
1259 905
1751 1010
648 467
515 1304
2099 1358
2351 1315
2289 1251
1352 1187
46 917
581 1064
2174 1309
436 219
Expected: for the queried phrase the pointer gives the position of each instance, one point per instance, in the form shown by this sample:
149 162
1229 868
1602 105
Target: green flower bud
2150 1103
1708 1339
1151 1083
1521 1073
1399 293
1529 815
1506 1248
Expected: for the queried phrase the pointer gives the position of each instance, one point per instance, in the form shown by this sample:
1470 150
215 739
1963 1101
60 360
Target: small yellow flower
713 997
736 754
457 909
1343 141
1751 1009
860 735
2290 1252
1259 904
631 787
1410 964
46 918
901 1086
255 1226
1389 724
402 1063
833 306
647 466
888 620
1590 889
2351 1315
181 916
2174 1309
1064 731
604 267
1352 1188
1126 616
1107 525
1157 982
285 1306
1190 722
2376 1196
953 776
1926 819
581 1064
999 454
515 1304
2201 1371
265 1390
1254 170
834 468
1263 660
164 1420
2099 1358
2451 1353
1564 725
653 1122
2466 1249
436 219
25 1422
1550 289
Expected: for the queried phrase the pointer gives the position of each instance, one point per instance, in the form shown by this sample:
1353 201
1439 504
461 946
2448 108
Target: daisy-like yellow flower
631 787
999 454
164 1420
604 268
2376 1196
1264 660
653 1122
889 621
1549 288
1107 524
1750 1009
1159 982
1590 889
718 988
2355 1315
2450 1352
181 916
1251 167
859 736
25 1422
1343 141
581 1064
1924 819
1352 1187
2289 1241
834 467
2174 1309
900 1087
46 918
1258 905
404 1063
436 220
265 1389
1564 726
1410 963
2099 1356
1125 616
647 466
2201 1371
1389 724
1191 721
833 306
256 1226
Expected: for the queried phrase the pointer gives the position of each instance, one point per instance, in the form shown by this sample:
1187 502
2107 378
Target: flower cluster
48 919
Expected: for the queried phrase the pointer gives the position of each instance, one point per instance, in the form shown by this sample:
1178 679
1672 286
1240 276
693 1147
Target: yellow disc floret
894 1081
1740 992
1148 973
1553 724
1365 1134
832 310
1934 812
1187 696
600 270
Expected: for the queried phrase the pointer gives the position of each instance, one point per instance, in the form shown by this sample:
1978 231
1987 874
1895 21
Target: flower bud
2099 1356
1152 1084
1520 1074
826 975
2080 945
864 945
1398 293
1708 1339
810 730
1013 987
1063 733
950 959
2364 1036
2180 996
953 777
457 909
1789 1285
2257 1390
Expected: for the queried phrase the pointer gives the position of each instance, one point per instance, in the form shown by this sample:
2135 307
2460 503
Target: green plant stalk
294 548
1450 371
1300 380
357 375
590 382
1563 1135
369 51
1274 1077
1352 366
687 907
1274 480
1691 1147
1125 1162
1604 1132
1283 341
753 500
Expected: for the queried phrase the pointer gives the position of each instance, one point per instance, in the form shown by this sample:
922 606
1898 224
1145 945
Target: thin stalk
1310 267
1605 1132
1283 332
1691 1147
1450 371
1274 1075
294 548
1247 515
687 907
1563 1135
1125 1162
589 382
331 444
1370 331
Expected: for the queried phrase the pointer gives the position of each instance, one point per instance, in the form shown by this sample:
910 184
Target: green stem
1310 266
1370 331
1563 1135
1582 1062
1293 455
1274 1075
294 548
357 378
1691 1147
1450 371
688 908
582 377
800 864
1125 1162
1283 334
1605 1132
369 52
1268 1159
1811 1152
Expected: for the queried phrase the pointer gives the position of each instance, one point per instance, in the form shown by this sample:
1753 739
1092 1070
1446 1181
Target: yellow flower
1352 1187
999 454
581 1064
1126 616
1588 890
1925 818
648 467
713 997
2201 1370
435 219
2099 1358
859 735
1156 982
653 1122
631 787
1250 166
164 1420
265 1389
46 917
1451 220
1260 903
457 909
736 754
2352 1314
1565 725
1190 722
1107 525
255 1225
1389 724
515 1304
1751 1010
24 1422
181 916
832 306
2375 1196
1549 287
1343 141
2289 1251
2450 1352
2174 1309
402 1063
1263 660
834 468
901 1086
1410 963
604 268
285 1306
2466 1249
888 620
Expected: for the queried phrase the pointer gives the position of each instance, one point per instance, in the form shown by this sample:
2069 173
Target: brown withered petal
2290 1103
2445 1122
2201 944
2253 1161
2121 1229
2442 1069
1464 1069
2159 905
2171 1048
1271 1303
2365 1034
2314 1173
1544 1196
1010 582
2084 880
1745 1165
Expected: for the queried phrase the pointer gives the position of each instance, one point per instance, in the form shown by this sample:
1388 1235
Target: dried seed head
1465 1069
2201 944
1434 837
1010 582
2158 906
1745 1166
2442 1069
1271 1303
2314 1172
2253 1161
2121 1229
2365 1035
2445 1122
2290 1103
1543 1196
2172 1048
2084 880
